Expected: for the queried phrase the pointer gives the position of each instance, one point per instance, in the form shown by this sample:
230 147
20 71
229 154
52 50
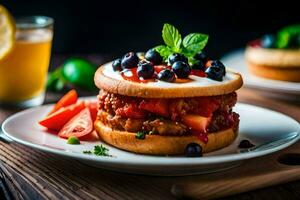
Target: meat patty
134 107
163 116
155 126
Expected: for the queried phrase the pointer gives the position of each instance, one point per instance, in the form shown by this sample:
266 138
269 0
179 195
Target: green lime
79 72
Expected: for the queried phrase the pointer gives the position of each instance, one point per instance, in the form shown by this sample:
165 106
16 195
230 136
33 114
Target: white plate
236 60
270 131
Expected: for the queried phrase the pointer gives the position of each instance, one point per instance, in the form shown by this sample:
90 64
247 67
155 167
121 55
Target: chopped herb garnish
87 152
140 135
73 140
99 150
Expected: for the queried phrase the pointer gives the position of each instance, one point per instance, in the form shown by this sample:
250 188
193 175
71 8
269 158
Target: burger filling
170 117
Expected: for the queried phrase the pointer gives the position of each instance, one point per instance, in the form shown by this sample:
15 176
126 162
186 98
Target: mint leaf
171 37
287 36
194 43
164 51
293 29
192 61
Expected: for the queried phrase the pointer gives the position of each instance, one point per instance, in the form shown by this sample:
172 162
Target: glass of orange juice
23 72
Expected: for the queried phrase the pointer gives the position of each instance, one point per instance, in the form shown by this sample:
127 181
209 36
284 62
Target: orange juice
23 72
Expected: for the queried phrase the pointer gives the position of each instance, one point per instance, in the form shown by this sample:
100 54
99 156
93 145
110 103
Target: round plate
237 61
270 131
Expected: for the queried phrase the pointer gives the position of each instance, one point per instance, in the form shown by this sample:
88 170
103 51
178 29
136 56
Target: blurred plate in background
236 61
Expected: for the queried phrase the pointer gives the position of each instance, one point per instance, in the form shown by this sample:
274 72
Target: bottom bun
162 145
276 73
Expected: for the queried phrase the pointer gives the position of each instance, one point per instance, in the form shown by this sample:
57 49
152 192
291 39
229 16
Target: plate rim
171 161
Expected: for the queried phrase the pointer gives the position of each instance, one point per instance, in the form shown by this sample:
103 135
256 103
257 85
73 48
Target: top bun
281 58
111 81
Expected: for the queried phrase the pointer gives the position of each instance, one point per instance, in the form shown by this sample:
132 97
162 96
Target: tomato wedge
93 106
196 122
92 136
68 99
79 126
58 119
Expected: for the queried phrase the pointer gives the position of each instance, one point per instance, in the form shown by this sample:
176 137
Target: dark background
116 27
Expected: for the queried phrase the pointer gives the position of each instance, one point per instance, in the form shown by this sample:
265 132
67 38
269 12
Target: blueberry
268 41
214 73
199 65
219 64
181 69
201 56
216 70
177 57
145 69
129 60
166 75
245 144
193 150
116 65
153 56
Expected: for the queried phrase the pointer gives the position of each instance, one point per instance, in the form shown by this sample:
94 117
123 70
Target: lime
79 72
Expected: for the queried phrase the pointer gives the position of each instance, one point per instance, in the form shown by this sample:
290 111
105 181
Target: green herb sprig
87 152
140 135
99 150
188 46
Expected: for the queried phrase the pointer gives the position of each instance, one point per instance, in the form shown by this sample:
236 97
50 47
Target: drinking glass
23 72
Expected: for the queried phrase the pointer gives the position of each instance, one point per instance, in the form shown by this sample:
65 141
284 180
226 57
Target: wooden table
26 173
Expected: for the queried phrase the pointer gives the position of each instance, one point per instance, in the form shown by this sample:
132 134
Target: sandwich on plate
173 99
276 56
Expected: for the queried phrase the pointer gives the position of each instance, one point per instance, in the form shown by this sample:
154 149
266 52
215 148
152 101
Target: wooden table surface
26 173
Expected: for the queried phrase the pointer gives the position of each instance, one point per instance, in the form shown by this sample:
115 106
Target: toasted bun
162 145
105 78
276 73
277 58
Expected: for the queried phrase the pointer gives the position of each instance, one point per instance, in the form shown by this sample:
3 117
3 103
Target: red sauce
198 72
201 136
159 68
131 74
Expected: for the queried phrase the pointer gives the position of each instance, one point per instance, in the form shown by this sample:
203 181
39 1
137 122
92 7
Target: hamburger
276 56
167 104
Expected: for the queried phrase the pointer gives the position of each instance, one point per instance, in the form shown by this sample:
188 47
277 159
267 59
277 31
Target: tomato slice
58 119
79 126
92 136
196 122
93 106
68 99
157 106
